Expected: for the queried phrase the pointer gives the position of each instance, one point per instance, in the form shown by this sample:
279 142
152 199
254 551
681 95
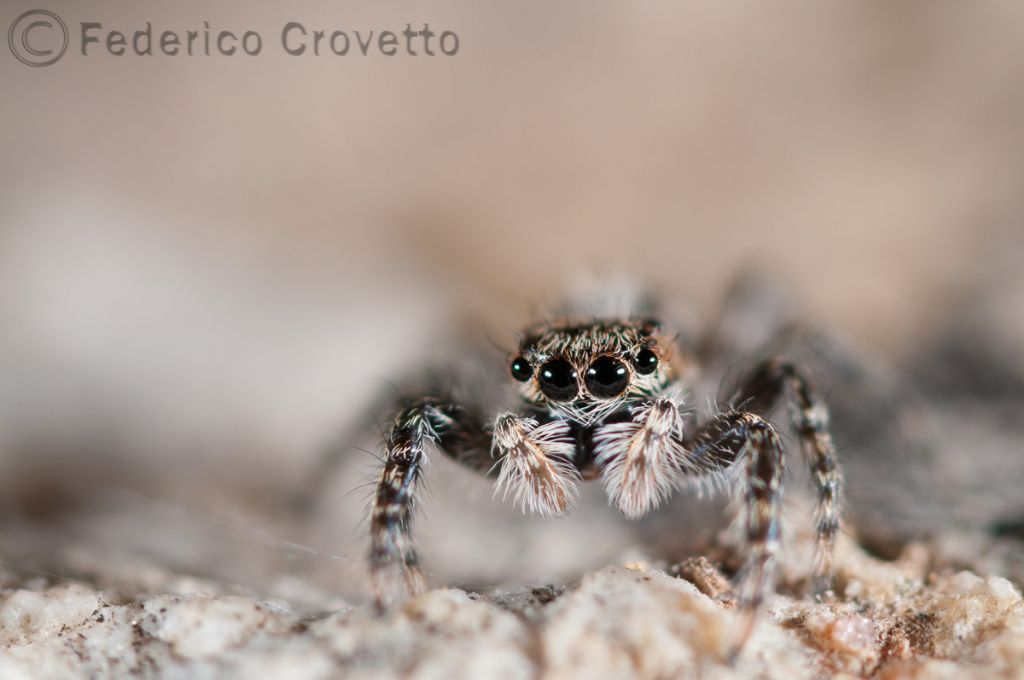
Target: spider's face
585 371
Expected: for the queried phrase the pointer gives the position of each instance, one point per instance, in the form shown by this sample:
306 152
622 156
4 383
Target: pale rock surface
893 620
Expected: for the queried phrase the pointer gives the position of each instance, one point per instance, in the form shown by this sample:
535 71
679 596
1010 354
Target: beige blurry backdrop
208 263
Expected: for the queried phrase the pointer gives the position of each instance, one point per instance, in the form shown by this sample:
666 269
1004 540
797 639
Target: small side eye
521 369
645 362
649 327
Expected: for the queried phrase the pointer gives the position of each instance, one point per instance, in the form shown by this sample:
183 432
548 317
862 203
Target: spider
600 400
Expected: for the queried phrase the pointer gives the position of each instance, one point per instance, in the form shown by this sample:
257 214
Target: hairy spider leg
761 391
453 430
535 468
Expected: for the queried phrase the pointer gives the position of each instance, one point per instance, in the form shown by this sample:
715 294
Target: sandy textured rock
616 622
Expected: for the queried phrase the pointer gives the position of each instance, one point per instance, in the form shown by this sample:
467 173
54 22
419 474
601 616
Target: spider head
587 370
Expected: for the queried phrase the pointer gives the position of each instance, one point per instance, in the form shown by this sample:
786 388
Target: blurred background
210 266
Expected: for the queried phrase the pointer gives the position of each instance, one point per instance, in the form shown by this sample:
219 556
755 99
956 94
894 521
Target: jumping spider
600 401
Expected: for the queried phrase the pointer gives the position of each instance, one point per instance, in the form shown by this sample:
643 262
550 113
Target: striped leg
641 459
392 551
747 439
760 392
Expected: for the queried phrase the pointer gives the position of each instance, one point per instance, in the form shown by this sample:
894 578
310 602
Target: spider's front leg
536 469
456 432
642 460
713 451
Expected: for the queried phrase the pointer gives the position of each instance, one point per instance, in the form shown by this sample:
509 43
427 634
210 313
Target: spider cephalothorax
586 370
576 376
601 399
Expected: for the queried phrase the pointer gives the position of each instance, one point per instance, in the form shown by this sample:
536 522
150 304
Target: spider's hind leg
761 391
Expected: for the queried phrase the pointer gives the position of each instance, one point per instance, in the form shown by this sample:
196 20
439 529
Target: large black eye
645 362
558 380
607 377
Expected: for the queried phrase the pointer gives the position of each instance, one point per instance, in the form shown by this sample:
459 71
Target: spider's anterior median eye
645 362
607 377
521 369
558 380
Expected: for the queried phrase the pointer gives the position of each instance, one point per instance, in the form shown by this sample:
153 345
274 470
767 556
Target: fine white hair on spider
536 466
600 398
640 458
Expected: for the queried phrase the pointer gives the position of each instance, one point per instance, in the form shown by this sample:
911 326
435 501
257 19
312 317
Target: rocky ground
892 619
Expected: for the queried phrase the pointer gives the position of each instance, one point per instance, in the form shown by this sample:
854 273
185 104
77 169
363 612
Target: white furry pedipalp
536 467
640 459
